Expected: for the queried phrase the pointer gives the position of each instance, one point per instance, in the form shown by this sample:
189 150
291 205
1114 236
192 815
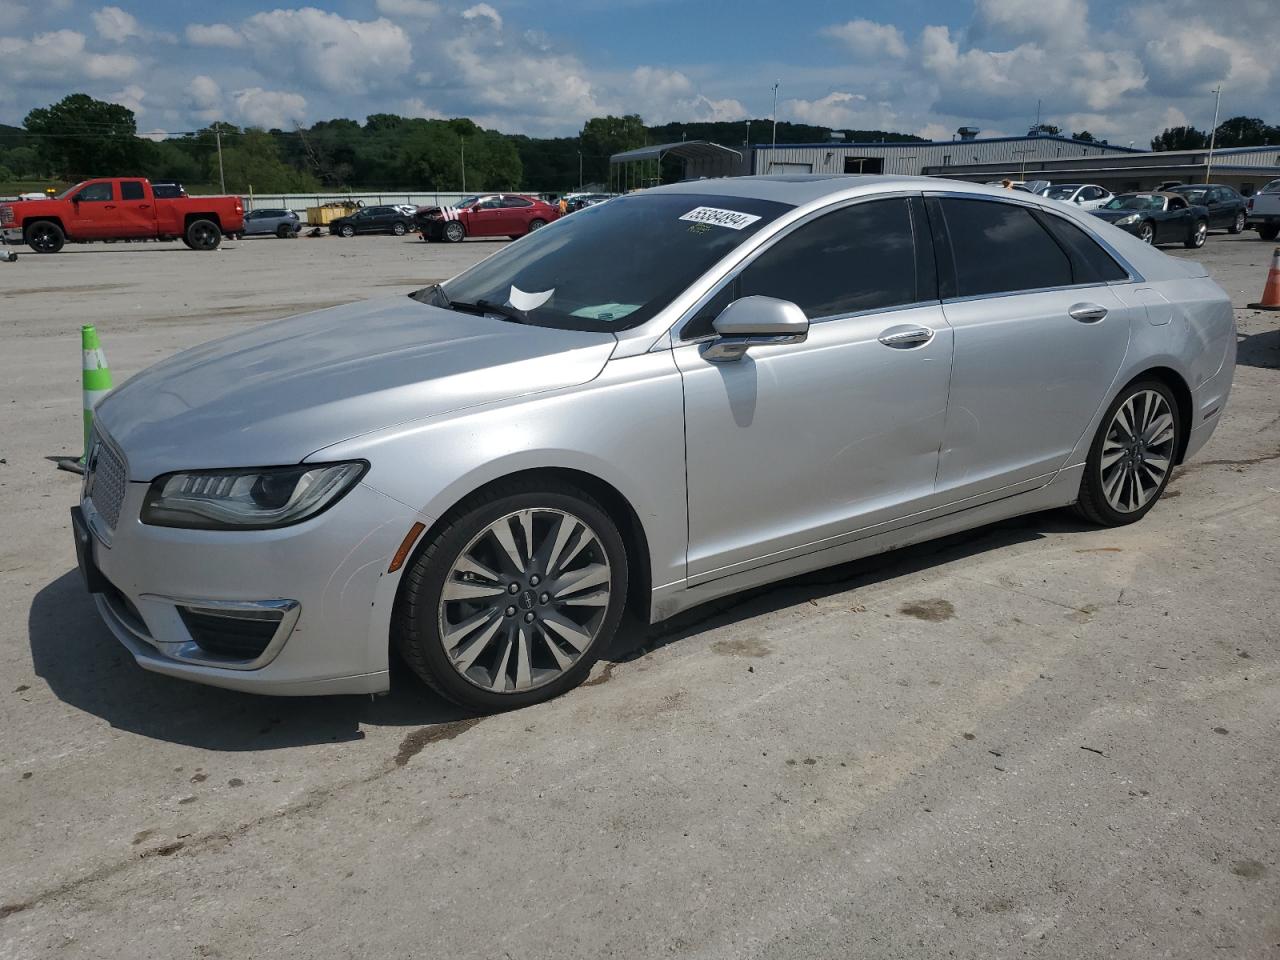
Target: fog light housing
242 632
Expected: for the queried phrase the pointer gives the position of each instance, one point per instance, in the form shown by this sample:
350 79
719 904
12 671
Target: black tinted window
131 190
516 202
95 193
1089 262
999 248
859 258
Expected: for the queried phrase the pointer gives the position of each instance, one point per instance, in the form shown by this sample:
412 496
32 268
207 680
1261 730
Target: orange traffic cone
1271 292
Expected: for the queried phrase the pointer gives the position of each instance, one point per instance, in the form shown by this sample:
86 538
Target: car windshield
1272 187
614 265
1063 191
466 202
1136 201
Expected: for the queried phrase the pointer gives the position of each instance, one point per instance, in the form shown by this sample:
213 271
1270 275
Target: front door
794 445
488 218
95 211
1039 338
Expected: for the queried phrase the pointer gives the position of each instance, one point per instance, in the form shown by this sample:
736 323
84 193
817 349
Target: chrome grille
105 481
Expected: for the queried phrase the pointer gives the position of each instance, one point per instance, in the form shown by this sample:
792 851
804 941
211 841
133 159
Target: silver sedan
660 400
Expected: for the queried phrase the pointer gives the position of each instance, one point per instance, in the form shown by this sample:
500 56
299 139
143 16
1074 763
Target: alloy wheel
1201 234
454 232
1239 224
1137 453
1147 234
203 237
43 239
524 600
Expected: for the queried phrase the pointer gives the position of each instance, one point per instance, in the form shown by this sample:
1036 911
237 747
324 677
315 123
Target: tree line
80 137
1235 132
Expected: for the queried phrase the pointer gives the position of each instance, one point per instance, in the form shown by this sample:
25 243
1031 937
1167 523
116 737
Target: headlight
1125 221
252 499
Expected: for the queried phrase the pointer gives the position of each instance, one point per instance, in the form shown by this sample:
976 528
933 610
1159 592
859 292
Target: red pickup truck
119 208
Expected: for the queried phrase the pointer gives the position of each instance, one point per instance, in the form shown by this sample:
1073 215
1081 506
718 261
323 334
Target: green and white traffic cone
97 384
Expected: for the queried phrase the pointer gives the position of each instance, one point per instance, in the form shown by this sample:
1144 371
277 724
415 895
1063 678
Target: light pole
1213 134
579 170
222 179
462 141
775 112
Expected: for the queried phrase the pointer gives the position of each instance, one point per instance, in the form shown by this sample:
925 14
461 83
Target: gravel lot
1034 739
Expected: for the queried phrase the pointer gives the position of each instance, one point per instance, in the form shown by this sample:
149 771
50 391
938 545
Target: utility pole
775 111
222 178
462 141
1213 134
579 170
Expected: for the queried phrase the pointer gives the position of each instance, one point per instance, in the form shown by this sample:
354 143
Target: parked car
1227 209
660 400
372 220
408 209
119 208
1264 211
1157 218
268 220
1086 196
167 189
579 201
490 215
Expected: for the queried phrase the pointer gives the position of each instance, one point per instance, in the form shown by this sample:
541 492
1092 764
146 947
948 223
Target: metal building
910 159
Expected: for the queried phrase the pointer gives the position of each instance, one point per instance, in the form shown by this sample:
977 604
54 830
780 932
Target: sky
1122 69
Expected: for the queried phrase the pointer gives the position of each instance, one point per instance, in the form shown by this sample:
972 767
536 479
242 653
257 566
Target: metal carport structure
642 167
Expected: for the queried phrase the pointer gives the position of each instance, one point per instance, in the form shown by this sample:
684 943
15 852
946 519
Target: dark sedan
372 220
1227 209
1157 218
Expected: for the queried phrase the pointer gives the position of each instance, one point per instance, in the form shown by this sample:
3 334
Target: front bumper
324 581
11 235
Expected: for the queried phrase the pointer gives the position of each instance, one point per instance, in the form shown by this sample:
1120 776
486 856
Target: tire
399 229
283 231
346 230
454 232
481 667
1196 238
1237 225
1269 231
1147 233
1108 495
44 236
203 235
536 225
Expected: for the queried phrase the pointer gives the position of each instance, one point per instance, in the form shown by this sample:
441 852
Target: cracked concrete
1032 739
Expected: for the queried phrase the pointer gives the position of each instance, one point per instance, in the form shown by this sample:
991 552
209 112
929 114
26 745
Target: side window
95 193
132 190
1000 248
862 257
1093 193
1089 262
516 202
700 325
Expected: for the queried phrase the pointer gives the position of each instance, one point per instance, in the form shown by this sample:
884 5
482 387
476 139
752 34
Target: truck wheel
203 235
1269 231
44 236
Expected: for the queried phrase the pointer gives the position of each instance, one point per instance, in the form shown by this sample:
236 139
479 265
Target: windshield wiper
488 306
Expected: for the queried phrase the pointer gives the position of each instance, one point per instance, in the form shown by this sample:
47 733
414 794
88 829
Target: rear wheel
515 598
346 230
1132 456
284 232
1269 231
399 229
45 236
1237 225
536 225
203 235
1196 238
454 232
1147 232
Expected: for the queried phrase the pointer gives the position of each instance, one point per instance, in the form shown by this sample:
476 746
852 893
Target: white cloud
331 52
1048 23
12 13
205 97
868 38
841 109
423 9
213 35
256 107
483 10
115 24
59 56
417 107
131 97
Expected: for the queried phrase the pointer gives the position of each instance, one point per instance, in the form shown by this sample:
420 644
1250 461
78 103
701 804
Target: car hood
281 391
1111 216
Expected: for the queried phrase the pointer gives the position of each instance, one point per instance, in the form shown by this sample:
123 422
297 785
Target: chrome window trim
1020 293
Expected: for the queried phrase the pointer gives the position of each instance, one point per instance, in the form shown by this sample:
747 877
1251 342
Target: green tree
602 137
1084 135
1180 138
1045 130
80 137
251 160
1246 132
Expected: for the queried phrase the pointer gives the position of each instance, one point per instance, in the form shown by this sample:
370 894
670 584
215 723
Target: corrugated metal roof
945 143
686 149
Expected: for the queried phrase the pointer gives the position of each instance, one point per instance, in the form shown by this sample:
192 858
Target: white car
1087 196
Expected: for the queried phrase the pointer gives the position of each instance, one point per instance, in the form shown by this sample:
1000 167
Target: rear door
95 211
137 210
1039 338
792 446
518 212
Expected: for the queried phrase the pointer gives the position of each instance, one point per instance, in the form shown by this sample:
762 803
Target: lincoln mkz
660 400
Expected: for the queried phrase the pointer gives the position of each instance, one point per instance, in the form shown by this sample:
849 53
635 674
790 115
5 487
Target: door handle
144 206
1087 312
906 336
108 206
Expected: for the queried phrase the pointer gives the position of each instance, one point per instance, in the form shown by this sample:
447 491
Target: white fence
300 201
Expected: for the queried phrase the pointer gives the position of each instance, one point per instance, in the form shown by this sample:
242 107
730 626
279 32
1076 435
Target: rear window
1001 248
1089 262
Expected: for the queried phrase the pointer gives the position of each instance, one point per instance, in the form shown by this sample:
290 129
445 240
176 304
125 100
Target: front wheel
454 232
515 598
346 230
45 237
399 229
1132 456
1147 233
1237 225
1199 233
203 235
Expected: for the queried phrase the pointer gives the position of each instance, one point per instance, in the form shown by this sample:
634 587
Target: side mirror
755 321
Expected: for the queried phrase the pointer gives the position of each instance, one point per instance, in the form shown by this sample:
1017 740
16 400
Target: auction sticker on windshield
720 218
